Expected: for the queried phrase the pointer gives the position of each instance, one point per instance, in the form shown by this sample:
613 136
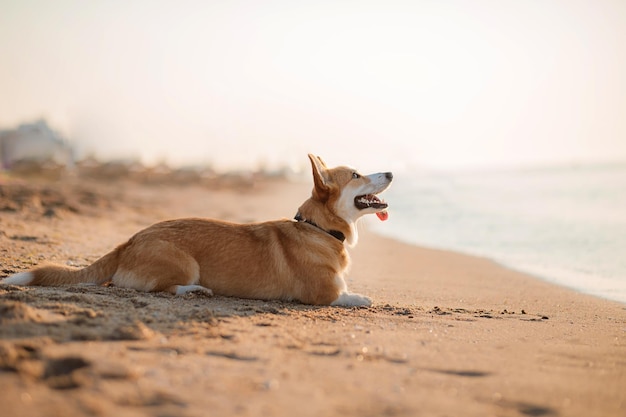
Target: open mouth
369 201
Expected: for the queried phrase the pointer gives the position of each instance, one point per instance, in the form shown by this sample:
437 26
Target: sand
448 334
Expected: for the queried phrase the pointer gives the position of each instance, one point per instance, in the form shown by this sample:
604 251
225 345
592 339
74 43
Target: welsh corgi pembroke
304 259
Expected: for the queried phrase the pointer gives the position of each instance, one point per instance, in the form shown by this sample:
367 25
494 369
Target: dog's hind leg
184 289
159 266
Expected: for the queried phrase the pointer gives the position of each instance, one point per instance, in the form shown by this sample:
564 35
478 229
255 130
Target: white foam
565 225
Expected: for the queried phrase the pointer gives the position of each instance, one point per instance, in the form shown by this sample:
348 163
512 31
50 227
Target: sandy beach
448 334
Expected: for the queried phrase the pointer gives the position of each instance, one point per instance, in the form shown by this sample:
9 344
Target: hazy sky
371 83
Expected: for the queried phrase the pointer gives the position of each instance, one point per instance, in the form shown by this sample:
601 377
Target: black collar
334 233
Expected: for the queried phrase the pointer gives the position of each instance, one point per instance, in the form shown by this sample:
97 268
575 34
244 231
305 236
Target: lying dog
304 259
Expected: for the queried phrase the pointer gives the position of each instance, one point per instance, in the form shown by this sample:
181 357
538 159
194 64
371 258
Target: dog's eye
355 176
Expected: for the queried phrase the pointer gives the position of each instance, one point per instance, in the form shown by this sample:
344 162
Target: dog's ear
322 163
321 189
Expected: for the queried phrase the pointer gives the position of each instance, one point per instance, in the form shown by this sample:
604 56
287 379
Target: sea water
566 225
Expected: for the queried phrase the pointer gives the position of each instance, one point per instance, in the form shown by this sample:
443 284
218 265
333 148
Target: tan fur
282 259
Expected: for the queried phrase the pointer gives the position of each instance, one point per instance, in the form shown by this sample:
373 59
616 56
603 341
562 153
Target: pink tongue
383 215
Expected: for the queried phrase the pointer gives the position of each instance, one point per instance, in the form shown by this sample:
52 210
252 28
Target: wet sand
448 334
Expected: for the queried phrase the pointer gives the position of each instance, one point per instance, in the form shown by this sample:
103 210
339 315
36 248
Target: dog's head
346 195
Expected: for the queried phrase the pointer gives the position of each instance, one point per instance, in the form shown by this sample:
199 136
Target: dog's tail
98 273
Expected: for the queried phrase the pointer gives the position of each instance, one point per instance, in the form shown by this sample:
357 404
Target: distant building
33 142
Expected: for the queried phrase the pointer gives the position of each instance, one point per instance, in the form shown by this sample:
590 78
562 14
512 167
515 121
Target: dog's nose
389 175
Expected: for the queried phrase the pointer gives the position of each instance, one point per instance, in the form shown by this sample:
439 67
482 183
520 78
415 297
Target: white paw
352 300
184 289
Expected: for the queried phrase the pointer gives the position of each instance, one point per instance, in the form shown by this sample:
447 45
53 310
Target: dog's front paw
352 300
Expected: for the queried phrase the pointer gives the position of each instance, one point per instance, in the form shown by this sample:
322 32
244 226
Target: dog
304 259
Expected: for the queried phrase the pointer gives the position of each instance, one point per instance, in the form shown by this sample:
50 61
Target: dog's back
280 259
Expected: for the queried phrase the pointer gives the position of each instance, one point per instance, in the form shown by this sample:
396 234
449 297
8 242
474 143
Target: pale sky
436 84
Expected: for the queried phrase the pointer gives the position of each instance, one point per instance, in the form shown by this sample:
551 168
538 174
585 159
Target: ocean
566 225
